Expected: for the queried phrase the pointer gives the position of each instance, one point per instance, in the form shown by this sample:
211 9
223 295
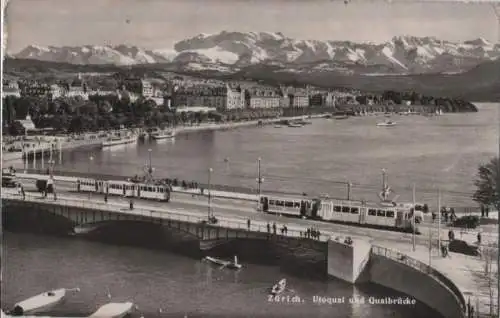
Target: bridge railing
166 214
424 268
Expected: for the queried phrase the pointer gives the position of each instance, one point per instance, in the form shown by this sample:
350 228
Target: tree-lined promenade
76 115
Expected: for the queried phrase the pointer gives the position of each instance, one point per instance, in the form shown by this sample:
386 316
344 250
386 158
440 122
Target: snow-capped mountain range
232 51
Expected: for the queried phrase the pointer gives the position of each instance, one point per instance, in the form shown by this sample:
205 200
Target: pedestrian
106 198
433 217
23 193
308 233
248 224
131 203
274 227
479 238
268 228
482 211
487 211
286 229
446 216
451 235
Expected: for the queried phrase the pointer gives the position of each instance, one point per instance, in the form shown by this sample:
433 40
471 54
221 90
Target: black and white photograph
250 158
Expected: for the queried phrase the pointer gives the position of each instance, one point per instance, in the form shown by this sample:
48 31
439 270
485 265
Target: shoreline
74 144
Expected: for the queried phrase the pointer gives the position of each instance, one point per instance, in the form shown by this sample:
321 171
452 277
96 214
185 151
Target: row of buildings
221 96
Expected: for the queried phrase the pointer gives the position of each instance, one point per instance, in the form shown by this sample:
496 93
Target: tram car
398 217
151 191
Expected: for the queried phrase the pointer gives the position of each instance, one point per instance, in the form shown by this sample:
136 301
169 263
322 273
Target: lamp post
259 182
349 186
413 221
210 170
51 167
91 158
150 167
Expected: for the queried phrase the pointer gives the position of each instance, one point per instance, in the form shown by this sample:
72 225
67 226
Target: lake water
437 152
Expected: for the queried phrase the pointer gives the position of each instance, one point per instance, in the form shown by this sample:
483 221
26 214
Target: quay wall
405 278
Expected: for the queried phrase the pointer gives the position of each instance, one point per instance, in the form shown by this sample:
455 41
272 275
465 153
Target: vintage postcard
250 158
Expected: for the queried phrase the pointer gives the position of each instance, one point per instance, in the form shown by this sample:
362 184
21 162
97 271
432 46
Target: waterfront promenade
457 268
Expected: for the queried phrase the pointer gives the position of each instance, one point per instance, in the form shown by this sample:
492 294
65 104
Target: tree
487 183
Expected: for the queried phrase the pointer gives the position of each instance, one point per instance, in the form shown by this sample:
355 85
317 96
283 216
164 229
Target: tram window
289 204
271 202
345 209
296 204
380 213
337 209
372 212
280 203
354 210
389 214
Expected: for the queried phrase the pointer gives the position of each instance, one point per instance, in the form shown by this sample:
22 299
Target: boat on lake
295 125
387 124
232 265
113 310
119 140
163 134
279 287
41 302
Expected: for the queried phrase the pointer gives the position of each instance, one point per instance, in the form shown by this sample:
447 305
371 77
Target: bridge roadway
242 210
464 271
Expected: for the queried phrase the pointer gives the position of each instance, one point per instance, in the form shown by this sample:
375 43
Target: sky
159 24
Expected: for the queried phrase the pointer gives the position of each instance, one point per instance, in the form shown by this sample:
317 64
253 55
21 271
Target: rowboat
41 302
232 265
279 287
113 310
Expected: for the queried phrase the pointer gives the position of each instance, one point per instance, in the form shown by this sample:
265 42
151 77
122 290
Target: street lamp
150 168
210 170
91 158
51 167
259 182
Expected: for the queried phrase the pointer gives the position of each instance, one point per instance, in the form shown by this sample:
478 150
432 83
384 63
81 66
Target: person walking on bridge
274 227
248 224
268 228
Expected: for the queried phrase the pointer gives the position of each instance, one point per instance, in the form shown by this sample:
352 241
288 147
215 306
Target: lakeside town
91 103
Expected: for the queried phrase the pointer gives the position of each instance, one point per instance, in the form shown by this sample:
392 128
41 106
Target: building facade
263 97
223 98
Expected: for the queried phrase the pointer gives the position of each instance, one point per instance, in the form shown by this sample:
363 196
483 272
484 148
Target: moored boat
295 125
113 310
40 302
163 134
387 124
119 140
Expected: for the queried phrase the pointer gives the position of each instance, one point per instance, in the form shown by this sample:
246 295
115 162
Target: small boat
228 264
340 117
84 228
117 140
278 126
387 124
295 125
279 287
41 302
163 134
113 310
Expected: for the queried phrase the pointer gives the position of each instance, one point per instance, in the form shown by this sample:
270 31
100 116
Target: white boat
118 140
232 265
41 302
163 134
84 228
113 310
279 287
295 125
387 124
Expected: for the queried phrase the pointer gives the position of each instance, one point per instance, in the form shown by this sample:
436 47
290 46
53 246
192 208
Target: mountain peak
232 50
